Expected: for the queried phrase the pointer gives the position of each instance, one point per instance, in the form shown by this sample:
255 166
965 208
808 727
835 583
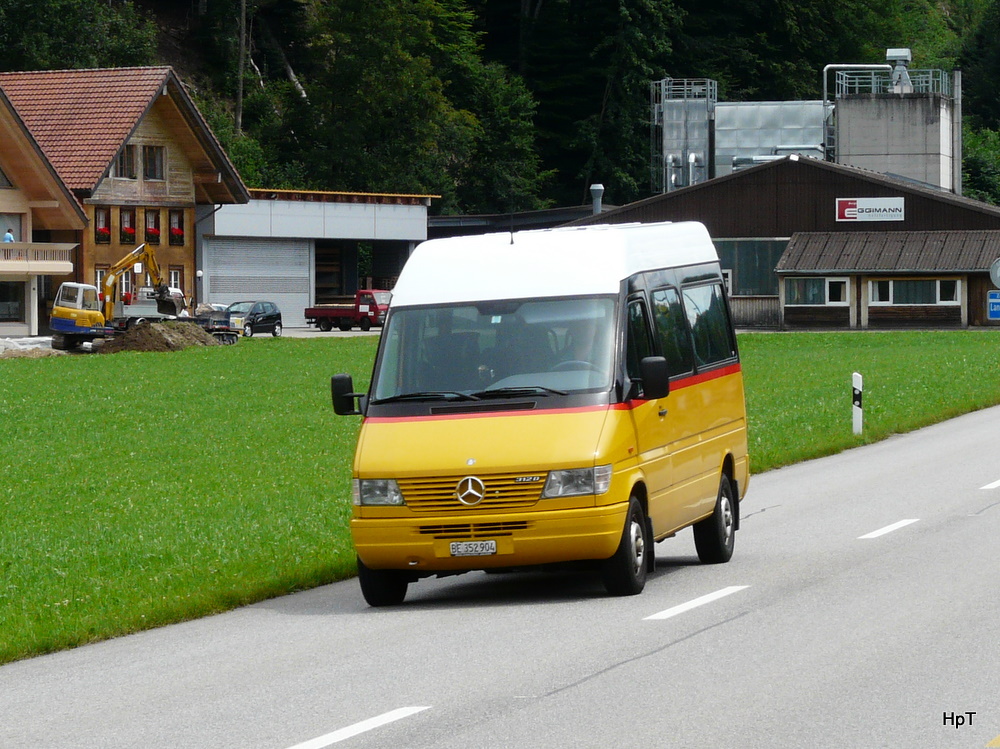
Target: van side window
709 321
672 331
638 343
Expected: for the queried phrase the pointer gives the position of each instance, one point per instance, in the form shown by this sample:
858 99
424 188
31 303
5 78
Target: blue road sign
993 305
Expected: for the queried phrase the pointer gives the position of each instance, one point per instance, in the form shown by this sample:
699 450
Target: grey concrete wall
904 134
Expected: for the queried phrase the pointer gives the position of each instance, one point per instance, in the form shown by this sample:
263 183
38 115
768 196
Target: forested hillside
495 105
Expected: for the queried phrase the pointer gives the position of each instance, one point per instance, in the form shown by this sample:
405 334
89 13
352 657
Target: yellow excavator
79 315
139 258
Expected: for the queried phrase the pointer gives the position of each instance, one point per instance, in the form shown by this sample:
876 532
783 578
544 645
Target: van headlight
576 481
376 492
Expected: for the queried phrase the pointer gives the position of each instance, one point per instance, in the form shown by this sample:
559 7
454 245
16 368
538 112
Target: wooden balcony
36 258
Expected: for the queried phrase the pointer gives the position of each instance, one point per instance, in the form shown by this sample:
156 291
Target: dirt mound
159 336
28 353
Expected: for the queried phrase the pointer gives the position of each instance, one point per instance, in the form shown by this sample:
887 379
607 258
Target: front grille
505 491
473 530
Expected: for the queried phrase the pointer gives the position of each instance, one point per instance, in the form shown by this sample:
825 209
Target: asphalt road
860 610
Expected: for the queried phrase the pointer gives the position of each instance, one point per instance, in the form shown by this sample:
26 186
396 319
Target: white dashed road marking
354 730
698 602
889 528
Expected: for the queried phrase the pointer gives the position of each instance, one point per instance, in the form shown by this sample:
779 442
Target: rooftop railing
880 82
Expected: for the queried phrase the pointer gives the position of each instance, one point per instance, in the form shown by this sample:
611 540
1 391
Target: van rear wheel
715 536
382 587
624 573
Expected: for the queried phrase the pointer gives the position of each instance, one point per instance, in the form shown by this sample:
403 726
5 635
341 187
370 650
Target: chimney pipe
596 193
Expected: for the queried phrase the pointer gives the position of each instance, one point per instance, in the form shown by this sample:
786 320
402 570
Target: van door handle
663 412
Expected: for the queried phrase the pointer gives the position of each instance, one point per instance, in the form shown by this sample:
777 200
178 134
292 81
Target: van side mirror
655 377
345 401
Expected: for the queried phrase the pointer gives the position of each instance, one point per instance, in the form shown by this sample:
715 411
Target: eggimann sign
870 209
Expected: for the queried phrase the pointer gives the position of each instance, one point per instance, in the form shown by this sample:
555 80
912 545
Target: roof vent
900 58
596 194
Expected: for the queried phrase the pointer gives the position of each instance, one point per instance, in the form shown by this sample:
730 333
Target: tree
56 34
588 64
980 61
380 97
776 49
981 165
503 170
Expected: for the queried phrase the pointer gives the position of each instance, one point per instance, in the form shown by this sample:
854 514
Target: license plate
473 548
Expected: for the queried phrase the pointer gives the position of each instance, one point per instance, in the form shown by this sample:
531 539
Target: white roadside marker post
858 388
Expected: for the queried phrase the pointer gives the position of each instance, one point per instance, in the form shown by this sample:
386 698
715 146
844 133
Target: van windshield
497 349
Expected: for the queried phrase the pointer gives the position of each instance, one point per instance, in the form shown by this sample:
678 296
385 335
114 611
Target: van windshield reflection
497 349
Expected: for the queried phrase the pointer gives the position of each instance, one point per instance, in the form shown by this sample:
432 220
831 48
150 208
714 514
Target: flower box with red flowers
127 234
103 234
176 235
152 235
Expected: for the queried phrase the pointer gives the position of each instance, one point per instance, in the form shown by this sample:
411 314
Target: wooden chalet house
44 221
132 149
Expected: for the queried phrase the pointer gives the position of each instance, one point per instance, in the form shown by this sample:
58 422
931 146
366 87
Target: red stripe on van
705 376
487 414
686 382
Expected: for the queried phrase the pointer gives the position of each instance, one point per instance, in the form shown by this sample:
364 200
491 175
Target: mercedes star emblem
470 491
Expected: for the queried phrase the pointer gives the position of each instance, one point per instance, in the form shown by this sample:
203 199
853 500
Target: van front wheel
715 536
382 587
625 573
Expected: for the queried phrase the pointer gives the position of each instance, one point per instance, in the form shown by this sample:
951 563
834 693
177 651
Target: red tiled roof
80 118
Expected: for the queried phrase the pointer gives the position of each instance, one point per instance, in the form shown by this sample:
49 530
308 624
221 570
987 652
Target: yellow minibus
540 398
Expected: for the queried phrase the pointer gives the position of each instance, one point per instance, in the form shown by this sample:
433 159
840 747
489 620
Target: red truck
366 309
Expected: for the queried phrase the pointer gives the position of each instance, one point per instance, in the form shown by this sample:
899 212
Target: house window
152 162
125 285
126 226
914 291
815 291
176 227
125 163
100 273
175 276
12 305
11 222
804 291
102 225
948 292
836 291
152 226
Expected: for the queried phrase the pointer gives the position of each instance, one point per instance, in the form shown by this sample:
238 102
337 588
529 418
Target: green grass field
144 488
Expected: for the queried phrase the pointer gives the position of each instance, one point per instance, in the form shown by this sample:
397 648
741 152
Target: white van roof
567 261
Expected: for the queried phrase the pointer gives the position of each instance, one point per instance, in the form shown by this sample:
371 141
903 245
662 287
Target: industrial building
840 213
300 248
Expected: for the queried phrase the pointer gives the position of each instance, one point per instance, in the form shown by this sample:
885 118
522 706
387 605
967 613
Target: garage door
276 270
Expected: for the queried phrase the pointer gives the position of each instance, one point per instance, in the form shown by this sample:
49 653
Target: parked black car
255 317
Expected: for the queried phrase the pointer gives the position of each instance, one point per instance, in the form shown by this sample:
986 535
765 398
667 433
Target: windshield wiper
517 390
428 395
